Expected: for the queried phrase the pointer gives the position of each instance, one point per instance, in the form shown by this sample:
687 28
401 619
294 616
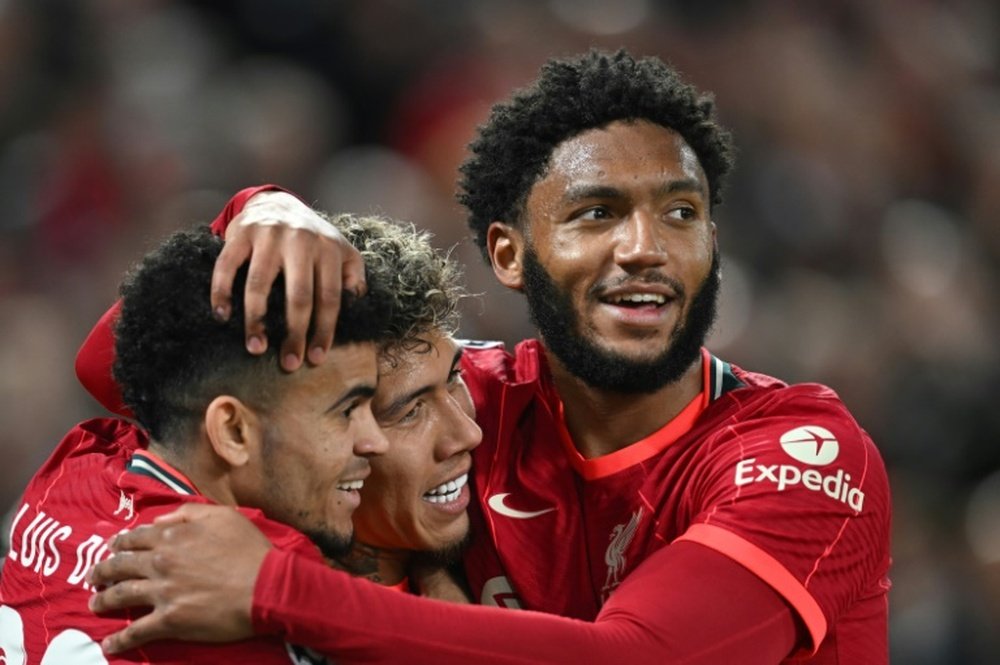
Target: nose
638 242
460 433
370 440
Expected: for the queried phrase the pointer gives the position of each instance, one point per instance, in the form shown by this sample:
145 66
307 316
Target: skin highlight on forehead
589 158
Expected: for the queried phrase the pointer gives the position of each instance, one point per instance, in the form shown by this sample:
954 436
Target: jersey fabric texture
99 481
752 528
779 478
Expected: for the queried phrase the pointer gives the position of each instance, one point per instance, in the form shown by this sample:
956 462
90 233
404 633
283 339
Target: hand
279 233
196 567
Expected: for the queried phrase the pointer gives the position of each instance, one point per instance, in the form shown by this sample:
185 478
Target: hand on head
276 232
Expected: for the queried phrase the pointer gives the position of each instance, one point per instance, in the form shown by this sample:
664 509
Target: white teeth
351 485
447 492
657 298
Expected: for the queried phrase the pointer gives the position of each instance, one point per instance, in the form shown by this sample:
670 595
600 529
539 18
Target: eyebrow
580 193
401 401
359 390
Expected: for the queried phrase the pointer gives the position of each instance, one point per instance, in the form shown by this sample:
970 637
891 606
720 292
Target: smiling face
416 496
616 254
315 444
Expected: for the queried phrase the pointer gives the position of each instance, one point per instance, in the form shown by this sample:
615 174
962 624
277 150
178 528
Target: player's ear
233 429
505 246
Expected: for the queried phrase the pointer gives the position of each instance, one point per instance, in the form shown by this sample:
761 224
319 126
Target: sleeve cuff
767 568
236 204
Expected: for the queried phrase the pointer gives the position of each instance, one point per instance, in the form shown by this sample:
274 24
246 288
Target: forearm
655 618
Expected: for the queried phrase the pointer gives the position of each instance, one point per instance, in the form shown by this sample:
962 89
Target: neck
382 566
602 422
204 471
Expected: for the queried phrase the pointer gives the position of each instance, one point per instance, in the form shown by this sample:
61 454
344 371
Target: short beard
446 556
333 546
552 311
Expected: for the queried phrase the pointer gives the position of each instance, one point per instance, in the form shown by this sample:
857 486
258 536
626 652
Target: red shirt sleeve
97 354
677 607
806 508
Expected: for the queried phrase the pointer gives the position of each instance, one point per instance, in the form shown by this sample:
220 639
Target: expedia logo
812 445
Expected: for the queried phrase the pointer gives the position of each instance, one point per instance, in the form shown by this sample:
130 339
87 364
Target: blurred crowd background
861 229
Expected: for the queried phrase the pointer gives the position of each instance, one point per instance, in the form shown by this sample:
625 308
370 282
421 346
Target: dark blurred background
861 232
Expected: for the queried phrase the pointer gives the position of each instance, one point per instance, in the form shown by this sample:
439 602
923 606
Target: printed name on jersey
812 445
38 548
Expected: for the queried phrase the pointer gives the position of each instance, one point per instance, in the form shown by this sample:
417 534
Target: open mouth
448 491
637 300
351 485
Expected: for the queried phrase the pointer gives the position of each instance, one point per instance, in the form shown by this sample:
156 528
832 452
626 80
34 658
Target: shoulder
491 361
798 437
92 441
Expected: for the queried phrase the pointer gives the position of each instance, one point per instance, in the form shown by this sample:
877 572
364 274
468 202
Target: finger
265 264
141 537
120 566
327 309
353 270
188 513
300 257
142 630
232 256
177 517
126 593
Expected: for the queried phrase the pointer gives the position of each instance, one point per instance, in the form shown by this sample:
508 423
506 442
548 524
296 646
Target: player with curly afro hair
569 97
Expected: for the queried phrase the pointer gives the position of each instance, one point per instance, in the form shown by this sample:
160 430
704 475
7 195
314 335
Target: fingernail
107 645
316 355
255 344
221 313
291 361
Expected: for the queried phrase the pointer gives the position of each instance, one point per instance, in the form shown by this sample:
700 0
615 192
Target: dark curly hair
173 357
423 281
571 96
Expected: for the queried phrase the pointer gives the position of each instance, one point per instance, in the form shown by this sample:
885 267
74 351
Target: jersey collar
717 380
145 463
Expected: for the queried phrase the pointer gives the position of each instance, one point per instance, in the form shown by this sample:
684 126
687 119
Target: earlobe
233 430
505 246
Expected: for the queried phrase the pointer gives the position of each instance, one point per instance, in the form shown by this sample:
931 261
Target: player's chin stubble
551 310
331 544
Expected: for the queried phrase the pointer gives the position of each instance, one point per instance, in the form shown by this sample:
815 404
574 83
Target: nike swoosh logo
496 502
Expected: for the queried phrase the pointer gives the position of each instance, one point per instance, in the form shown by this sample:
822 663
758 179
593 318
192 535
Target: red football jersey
779 478
99 481
776 480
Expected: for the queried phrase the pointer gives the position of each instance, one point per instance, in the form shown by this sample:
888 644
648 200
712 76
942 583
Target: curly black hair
173 357
571 96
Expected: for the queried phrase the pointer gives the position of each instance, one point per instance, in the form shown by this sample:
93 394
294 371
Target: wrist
266 598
